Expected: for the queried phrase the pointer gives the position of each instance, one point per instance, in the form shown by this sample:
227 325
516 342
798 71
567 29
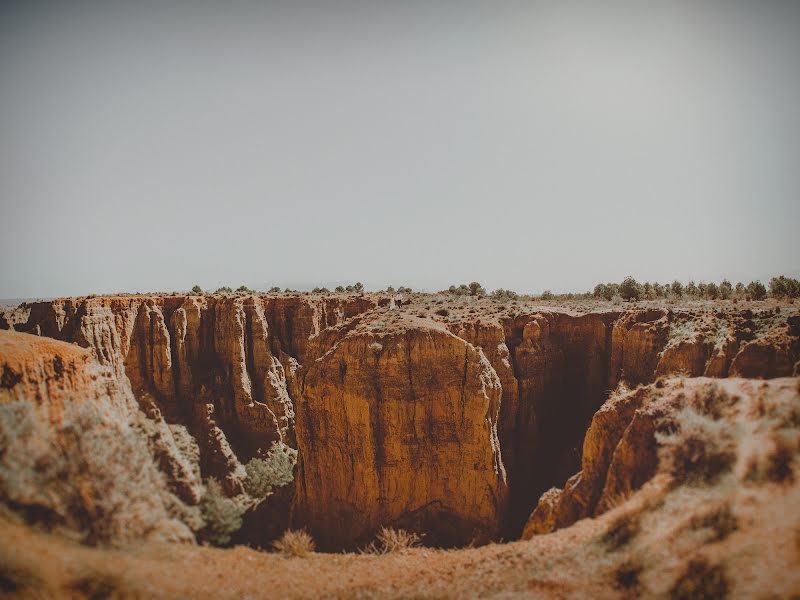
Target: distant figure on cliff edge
391 303
399 299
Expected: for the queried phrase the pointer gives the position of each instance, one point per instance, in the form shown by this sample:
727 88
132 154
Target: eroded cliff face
689 430
75 451
400 429
407 418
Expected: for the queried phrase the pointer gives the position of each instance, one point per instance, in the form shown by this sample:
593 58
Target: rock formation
686 429
400 429
74 450
408 418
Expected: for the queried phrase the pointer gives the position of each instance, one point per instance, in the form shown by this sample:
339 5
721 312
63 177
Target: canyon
467 421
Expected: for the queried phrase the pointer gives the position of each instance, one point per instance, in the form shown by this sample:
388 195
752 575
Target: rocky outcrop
638 338
72 451
400 429
683 428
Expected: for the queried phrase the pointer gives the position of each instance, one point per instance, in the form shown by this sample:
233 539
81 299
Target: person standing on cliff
399 300
391 303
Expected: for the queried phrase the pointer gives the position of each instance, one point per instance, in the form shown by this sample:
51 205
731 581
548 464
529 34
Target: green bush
500 293
756 290
223 516
275 470
476 289
784 287
630 289
197 290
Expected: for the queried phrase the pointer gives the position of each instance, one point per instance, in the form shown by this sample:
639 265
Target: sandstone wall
401 429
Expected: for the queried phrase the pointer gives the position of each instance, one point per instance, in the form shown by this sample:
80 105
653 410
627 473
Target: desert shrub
713 401
756 290
245 289
320 290
784 287
376 347
780 461
222 515
294 543
98 586
712 291
626 575
461 290
224 290
276 469
600 291
621 531
700 581
389 540
721 521
476 289
19 582
358 287
500 293
443 312
547 295
274 290
197 290
725 289
630 289
94 475
676 288
694 448
773 462
339 289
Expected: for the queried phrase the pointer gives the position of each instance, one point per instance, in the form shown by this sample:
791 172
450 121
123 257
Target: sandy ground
760 558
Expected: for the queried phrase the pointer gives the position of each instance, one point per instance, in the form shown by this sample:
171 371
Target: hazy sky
527 145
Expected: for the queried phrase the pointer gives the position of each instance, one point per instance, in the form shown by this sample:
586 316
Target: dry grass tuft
98 586
621 531
696 449
721 521
626 576
700 581
19 582
294 543
393 540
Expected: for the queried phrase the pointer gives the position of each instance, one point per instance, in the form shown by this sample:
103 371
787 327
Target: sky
527 145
